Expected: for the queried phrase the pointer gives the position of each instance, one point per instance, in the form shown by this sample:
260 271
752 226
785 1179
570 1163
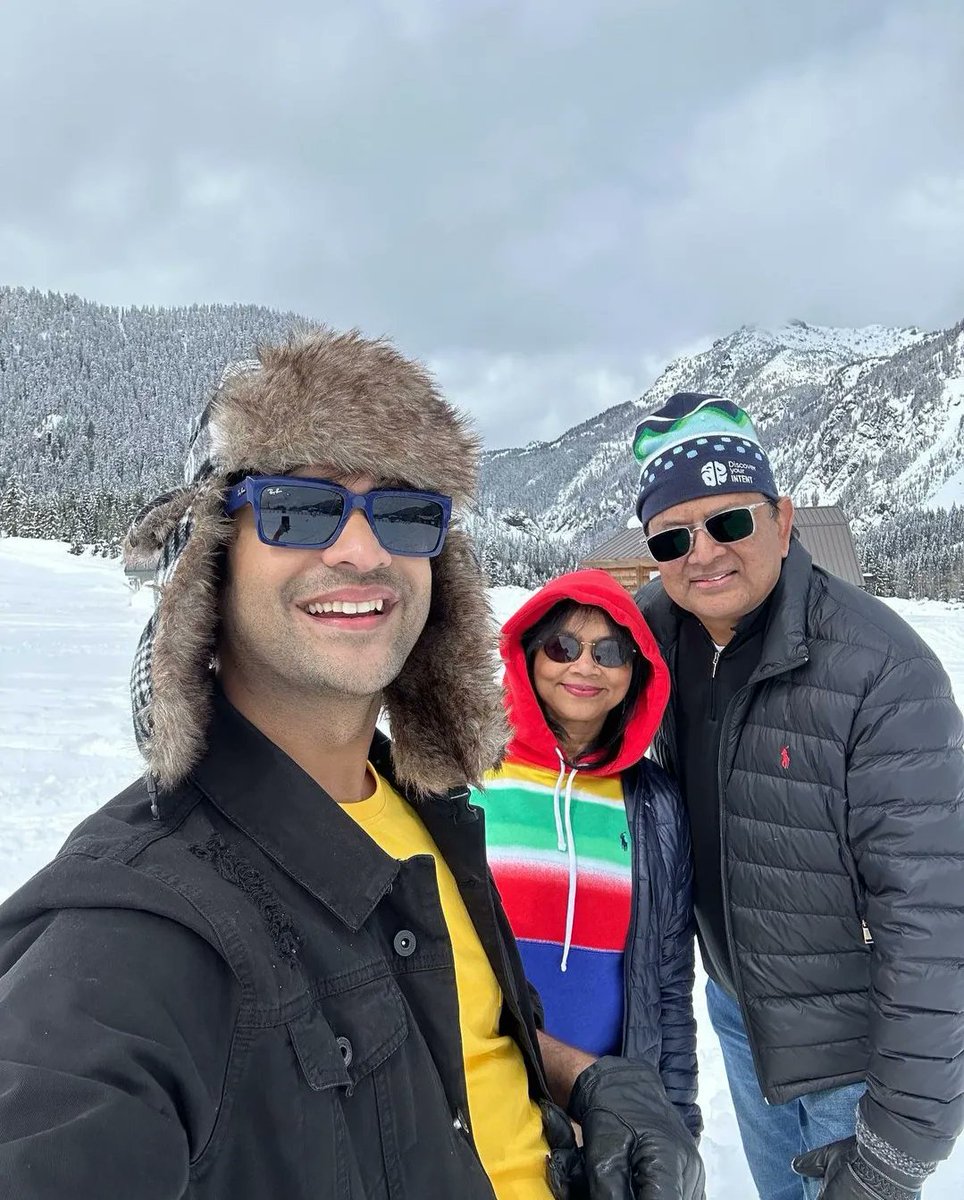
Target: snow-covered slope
950 492
68 628
773 362
869 418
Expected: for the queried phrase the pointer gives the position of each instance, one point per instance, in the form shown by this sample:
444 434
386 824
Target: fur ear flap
152 527
445 708
184 641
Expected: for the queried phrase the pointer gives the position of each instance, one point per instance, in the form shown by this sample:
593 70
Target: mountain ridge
95 404
872 419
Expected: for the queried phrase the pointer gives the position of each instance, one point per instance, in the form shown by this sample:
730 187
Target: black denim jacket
245 998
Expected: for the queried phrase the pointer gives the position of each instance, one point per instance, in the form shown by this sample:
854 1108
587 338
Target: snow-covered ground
68 628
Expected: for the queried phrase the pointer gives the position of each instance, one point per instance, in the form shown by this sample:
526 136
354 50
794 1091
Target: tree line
96 403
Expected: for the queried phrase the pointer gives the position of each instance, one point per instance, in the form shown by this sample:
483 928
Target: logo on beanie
713 474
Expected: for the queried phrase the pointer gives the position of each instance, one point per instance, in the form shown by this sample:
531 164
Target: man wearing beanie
276 966
818 750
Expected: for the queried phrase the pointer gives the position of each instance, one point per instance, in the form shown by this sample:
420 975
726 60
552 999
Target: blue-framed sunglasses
309 514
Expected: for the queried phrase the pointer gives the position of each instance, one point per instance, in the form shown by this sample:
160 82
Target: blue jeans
773 1134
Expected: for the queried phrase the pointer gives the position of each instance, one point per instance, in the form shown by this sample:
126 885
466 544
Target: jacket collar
785 643
266 795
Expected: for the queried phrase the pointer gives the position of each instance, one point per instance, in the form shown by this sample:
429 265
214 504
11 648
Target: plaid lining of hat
198 465
201 453
141 689
141 683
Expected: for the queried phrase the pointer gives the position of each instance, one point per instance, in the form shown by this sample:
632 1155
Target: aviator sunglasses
606 652
731 526
310 514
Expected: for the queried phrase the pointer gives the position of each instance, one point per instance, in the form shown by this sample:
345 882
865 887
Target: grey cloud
546 200
522 398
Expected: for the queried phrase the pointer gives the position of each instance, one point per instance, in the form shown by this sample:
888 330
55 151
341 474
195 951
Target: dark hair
610 738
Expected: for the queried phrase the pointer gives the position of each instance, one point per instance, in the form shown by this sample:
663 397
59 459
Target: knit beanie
697 445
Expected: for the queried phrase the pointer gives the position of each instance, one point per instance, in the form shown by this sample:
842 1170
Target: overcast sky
546 199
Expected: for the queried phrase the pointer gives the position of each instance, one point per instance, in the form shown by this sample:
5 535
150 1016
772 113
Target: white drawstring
571 902
560 842
563 844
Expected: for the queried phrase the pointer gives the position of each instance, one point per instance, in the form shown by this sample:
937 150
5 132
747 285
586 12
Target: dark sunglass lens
408 525
610 652
670 544
563 648
732 526
298 515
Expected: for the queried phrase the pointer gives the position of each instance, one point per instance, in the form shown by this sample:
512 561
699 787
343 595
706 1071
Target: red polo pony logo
785 757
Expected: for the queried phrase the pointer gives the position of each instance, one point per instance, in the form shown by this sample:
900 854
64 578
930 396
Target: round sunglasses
731 526
310 514
606 652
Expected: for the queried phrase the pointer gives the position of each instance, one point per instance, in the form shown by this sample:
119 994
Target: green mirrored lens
670 544
732 526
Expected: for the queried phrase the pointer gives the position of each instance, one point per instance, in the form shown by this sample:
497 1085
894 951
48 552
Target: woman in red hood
587 838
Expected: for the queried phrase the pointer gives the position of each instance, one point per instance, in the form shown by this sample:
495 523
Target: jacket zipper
716 663
631 938
664 743
730 943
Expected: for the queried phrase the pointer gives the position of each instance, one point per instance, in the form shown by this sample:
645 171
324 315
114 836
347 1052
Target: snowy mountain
95 403
872 419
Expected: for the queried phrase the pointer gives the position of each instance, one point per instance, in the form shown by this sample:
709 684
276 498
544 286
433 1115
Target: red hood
532 740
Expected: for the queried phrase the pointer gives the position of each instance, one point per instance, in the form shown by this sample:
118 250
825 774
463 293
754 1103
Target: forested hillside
96 403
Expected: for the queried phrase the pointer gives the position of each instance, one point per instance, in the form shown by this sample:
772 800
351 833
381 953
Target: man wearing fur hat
818 750
277 966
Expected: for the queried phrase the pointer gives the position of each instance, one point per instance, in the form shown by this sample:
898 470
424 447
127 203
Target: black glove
566 1166
635 1144
853 1172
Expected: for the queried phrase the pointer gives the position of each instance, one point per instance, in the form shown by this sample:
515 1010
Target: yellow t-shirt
506 1123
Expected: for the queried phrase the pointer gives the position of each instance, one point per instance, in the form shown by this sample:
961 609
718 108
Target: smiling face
578 696
335 622
720 583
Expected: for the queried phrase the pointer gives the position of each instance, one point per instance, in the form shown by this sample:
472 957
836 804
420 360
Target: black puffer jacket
860 821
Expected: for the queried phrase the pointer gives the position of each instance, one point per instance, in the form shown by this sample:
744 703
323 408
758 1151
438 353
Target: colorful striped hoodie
559 840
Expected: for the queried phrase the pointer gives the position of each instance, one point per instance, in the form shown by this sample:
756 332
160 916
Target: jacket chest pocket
347 1047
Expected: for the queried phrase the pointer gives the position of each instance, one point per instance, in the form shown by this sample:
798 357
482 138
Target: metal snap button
405 943
344 1045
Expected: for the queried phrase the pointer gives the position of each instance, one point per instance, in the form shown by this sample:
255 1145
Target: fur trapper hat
360 406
